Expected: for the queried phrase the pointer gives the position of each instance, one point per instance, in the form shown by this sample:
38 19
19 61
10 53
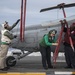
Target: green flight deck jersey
47 40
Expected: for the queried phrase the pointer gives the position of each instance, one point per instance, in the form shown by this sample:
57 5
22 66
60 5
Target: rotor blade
57 23
47 24
50 8
69 5
58 6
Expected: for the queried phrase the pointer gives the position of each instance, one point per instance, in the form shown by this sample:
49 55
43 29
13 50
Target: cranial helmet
4 23
52 31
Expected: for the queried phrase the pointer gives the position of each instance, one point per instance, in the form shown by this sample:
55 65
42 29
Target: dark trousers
46 56
69 56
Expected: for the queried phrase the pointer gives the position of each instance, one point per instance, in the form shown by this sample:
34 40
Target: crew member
69 53
6 38
45 49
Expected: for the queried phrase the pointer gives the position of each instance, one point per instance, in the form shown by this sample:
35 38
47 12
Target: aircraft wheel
10 62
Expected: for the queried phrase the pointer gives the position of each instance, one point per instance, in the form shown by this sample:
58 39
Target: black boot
68 67
5 69
45 67
50 66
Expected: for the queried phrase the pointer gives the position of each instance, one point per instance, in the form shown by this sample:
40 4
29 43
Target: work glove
15 36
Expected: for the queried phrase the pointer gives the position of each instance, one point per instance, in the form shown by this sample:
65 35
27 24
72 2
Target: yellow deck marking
73 73
2 74
32 73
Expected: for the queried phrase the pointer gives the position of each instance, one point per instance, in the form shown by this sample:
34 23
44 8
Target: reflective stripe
4 43
5 38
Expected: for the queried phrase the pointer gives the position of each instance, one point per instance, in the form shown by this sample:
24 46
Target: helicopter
34 33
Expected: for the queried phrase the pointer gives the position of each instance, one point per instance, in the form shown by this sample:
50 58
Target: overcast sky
10 10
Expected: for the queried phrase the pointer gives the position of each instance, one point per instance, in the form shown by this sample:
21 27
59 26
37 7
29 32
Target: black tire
9 63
